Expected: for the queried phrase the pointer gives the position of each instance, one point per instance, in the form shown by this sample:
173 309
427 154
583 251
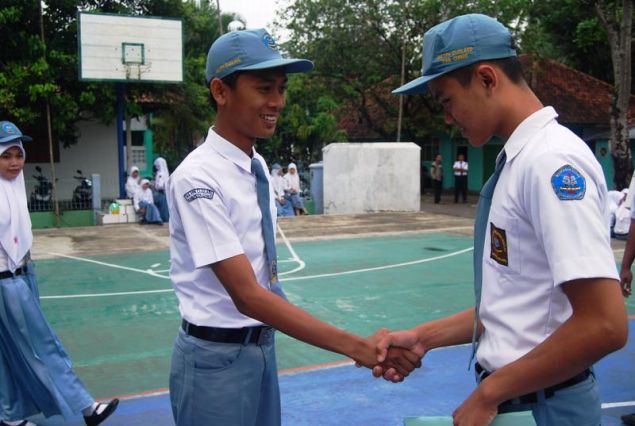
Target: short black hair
230 80
510 66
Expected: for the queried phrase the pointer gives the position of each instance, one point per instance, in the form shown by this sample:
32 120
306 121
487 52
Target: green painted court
118 316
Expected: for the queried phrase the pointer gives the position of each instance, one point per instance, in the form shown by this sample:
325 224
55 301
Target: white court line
294 255
618 404
306 277
123 293
379 268
112 265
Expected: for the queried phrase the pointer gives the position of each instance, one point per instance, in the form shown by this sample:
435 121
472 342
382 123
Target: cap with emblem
248 50
457 43
9 132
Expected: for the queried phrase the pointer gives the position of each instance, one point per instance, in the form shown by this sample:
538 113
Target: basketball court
118 317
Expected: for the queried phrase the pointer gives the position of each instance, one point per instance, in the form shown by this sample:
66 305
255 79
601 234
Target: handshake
391 355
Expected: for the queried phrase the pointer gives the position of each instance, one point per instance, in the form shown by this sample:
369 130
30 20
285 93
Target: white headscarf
278 183
293 180
143 194
16 237
161 175
132 183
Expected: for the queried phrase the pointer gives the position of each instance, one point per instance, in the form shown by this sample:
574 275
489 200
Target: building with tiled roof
583 103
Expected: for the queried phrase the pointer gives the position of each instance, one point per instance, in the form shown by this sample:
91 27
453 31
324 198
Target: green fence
70 218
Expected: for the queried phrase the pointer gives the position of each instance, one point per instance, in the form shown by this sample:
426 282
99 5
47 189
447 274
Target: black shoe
96 419
628 419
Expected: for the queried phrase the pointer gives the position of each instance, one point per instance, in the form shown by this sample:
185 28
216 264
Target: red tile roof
577 97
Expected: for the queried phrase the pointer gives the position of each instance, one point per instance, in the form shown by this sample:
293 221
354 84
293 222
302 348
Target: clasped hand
391 356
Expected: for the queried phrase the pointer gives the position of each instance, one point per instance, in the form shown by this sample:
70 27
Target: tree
31 74
28 78
357 45
617 20
307 124
593 36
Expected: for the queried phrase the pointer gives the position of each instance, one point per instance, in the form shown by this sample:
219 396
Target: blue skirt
152 214
35 370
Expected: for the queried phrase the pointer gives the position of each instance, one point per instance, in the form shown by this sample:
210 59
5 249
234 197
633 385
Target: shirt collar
229 150
527 129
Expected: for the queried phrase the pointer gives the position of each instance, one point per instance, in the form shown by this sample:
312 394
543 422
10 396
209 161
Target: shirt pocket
502 244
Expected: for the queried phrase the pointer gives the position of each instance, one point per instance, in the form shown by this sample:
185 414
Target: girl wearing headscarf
35 369
161 175
132 183
143 202
279 185
293 189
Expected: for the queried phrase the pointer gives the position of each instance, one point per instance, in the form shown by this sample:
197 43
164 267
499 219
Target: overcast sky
257 13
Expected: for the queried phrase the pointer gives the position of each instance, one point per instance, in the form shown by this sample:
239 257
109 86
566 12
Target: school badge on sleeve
568 183
498 245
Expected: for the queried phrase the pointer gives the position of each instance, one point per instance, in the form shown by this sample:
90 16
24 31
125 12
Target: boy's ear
487 76
218 89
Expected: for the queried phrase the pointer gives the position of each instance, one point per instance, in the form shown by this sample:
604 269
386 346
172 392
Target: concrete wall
371 177
95 152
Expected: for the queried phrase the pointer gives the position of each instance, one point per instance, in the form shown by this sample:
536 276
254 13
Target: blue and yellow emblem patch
568 183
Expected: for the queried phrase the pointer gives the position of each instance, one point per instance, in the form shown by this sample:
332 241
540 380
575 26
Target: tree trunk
618 26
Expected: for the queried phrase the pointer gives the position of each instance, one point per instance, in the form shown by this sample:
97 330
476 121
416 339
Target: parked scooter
83 193
42 194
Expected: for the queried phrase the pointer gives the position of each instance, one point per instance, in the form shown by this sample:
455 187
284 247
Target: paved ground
128 238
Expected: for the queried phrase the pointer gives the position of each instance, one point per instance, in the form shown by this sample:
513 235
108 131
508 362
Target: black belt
9 274
258 335
532 398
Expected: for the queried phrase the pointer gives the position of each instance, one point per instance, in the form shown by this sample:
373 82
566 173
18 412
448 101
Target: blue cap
457 43
248 50
9 132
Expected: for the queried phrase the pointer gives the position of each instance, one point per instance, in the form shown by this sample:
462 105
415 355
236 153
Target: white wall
95 152
371 177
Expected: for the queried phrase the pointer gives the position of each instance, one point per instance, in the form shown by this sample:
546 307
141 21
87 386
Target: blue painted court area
345 395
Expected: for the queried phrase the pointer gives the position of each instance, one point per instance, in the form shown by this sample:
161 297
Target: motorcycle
83 192
42 194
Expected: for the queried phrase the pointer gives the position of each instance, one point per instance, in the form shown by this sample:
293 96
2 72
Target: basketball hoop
133 71
130 48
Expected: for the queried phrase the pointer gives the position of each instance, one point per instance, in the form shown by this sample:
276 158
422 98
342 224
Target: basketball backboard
130 48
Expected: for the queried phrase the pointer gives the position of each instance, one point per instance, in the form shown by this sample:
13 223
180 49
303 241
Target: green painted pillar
147 143
475 169
446 149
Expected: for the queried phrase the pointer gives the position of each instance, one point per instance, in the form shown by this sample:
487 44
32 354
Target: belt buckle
265 334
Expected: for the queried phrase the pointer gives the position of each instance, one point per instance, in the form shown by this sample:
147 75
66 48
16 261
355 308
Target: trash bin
317 186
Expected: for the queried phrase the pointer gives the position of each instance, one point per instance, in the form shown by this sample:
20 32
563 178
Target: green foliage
357 45
32 74
570 32
307 124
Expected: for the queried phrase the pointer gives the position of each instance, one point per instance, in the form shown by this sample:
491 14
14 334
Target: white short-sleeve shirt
460 165
547 226
214 215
